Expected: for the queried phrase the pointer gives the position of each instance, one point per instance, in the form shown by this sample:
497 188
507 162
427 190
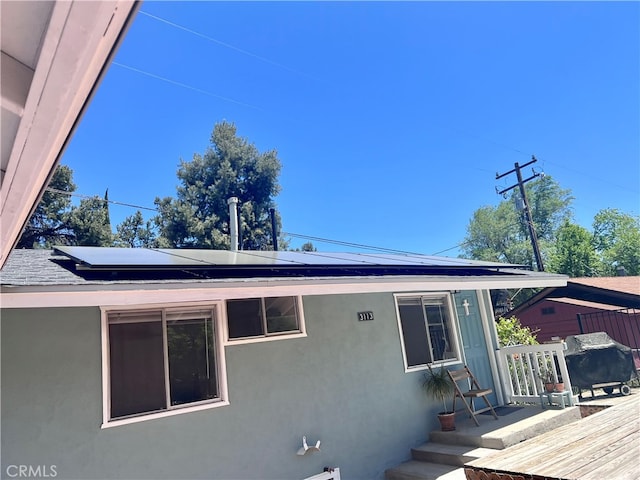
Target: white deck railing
521 367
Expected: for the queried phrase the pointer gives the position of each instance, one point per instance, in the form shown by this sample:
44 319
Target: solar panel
144 258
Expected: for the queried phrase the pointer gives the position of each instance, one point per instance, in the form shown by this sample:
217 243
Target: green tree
49 223
134 232
89 222
511 332
616 237
308 247
230 167
573 253
500 233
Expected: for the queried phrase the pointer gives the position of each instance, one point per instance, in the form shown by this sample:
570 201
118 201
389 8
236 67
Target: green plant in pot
438 385
548 379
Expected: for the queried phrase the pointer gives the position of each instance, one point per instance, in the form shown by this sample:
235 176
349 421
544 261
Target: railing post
505 378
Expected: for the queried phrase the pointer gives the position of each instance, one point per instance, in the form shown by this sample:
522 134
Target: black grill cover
594 358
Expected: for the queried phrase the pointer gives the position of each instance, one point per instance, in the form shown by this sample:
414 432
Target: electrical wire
184 85
224 44
290 234
79 195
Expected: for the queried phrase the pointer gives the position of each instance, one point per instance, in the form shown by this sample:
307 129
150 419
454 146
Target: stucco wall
344 385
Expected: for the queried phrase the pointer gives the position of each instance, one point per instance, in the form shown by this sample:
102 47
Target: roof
615 284
585 303
617 292
84 265
91 276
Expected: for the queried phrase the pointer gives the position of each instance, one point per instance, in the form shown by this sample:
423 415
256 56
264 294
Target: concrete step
416 470
509 430
456 455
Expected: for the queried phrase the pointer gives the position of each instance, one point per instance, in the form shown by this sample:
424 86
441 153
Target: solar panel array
163 258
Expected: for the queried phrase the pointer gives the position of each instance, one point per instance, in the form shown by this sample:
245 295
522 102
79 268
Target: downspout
233 223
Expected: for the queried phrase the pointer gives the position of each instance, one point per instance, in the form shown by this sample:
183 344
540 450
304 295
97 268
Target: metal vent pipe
233 222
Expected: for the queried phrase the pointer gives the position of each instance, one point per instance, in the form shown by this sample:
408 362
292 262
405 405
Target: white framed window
161 361
265 318
427 329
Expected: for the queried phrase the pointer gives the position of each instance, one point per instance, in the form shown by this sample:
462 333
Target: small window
548 310
427 330
161 360
262 317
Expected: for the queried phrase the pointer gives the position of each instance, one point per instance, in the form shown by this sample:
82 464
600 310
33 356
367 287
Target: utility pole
527 212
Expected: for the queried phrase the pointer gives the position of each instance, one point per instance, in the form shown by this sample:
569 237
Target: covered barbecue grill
595 360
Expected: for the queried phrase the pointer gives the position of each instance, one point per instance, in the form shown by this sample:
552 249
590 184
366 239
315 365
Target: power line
113 202
367 247
184 85
295 235
224 44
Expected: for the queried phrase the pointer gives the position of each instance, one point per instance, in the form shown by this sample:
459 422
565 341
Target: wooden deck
605 445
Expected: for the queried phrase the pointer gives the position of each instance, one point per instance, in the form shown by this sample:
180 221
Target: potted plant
548 379
438 385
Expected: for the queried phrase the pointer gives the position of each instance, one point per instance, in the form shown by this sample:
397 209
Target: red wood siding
562 323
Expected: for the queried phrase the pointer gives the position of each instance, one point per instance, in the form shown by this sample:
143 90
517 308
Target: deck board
605 445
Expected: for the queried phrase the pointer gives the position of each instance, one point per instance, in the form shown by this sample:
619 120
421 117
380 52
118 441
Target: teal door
474 344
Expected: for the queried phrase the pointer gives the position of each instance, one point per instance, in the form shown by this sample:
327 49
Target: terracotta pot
447 421
549 387
559 387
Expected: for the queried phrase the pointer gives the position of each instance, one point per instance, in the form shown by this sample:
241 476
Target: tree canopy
230 167
616 239
500 233
56 222
49 223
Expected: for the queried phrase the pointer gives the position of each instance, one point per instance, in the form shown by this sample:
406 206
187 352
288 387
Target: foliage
49 223
616 238
438 385
500 233
230 167
56 222
306 247
511 332
134 232
573 253
90 223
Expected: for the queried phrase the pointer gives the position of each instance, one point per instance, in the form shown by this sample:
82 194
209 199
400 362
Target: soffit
53 56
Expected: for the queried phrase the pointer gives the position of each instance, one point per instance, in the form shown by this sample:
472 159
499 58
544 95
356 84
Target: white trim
490 334
164 413
149 294
271 338
332 475
453 334
220 365
106 361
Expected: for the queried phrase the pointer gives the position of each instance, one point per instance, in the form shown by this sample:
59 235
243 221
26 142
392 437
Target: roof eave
97 294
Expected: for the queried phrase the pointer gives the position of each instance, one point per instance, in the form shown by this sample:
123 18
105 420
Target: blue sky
391 120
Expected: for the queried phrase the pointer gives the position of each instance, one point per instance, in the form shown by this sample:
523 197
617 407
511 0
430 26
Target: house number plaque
363 316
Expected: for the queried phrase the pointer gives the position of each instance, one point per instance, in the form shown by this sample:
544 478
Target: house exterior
135 363
585 305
